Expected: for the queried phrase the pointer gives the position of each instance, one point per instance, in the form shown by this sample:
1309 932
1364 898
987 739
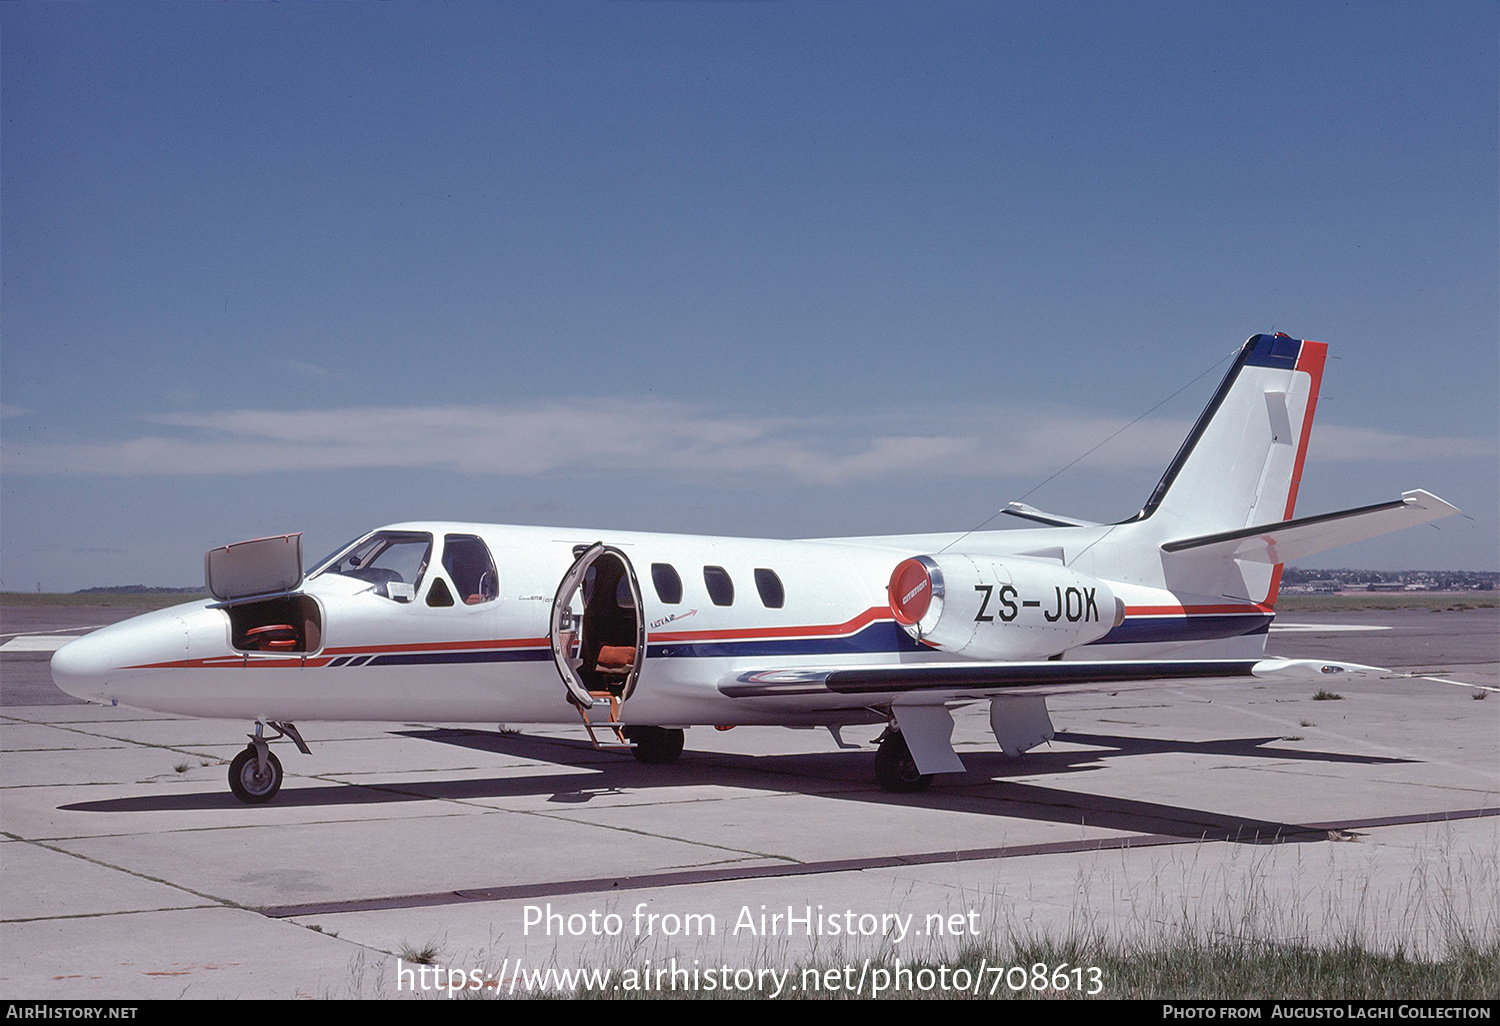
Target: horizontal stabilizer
1296 539
978 680
1025 512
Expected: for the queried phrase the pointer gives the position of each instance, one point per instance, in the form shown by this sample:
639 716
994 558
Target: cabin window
668 584
720 587
772 594
386 558
471 568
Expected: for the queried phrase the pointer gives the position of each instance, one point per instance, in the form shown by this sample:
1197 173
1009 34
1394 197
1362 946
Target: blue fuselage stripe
878 638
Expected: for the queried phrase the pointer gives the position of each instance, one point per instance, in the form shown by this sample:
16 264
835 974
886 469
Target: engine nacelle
982 607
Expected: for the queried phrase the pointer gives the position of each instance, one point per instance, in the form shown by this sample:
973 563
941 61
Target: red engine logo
910 592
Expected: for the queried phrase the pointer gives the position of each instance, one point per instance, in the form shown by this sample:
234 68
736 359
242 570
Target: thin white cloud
660 436
1338 444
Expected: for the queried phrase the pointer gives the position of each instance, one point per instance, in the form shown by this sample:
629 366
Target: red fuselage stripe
871 615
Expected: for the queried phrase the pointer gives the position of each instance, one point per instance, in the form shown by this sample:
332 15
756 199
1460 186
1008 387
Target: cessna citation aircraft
641 635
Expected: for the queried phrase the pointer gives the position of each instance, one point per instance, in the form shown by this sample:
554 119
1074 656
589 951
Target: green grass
1244 969
1437 601
420 954
1186 968
132 600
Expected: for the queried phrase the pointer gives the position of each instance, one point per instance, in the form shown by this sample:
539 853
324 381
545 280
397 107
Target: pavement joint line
123 742
49 722
655 880
741 852
225 902
118 912
559 815
33 751
280 826
469 895
1383 750
1424 785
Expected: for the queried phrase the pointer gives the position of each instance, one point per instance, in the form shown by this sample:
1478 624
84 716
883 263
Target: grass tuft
427 954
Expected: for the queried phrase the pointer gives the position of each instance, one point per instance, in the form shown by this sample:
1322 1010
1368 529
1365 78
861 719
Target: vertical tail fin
1241 464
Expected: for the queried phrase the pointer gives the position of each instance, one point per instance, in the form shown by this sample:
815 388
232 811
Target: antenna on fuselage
1090 452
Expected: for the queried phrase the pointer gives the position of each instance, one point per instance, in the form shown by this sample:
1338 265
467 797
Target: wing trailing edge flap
928 730
918 693
1019 723
1305 536
944 682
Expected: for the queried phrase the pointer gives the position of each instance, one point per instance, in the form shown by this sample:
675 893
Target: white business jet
641 635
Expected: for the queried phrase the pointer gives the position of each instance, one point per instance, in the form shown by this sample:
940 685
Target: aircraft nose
98 666
81 667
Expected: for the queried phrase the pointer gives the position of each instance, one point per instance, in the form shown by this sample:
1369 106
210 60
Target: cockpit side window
386 558
471 568
438 595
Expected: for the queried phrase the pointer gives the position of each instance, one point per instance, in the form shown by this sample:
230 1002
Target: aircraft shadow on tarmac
841 775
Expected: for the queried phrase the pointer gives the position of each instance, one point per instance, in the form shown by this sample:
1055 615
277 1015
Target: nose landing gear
255 775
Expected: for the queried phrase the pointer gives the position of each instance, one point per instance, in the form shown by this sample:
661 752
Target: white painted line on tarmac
1460 683
55 630
38 642
1325 628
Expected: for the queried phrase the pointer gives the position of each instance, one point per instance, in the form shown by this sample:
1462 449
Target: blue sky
746 268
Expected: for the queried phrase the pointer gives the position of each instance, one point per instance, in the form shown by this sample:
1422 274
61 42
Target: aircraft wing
942 682
919 694
1296 539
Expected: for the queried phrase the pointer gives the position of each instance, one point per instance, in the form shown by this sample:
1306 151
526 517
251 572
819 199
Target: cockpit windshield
384 559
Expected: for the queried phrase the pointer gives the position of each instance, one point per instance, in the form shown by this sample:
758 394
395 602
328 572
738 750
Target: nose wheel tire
249 782
896 770
655 746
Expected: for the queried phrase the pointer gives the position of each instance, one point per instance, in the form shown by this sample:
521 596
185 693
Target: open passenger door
598 633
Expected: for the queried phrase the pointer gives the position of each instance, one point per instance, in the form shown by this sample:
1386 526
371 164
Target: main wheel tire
248 783
896 770
655 746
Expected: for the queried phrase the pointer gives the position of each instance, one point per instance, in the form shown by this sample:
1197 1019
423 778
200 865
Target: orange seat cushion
616 657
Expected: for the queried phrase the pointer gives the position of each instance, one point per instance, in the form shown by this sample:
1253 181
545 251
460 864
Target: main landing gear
895 769
255 775
654 746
